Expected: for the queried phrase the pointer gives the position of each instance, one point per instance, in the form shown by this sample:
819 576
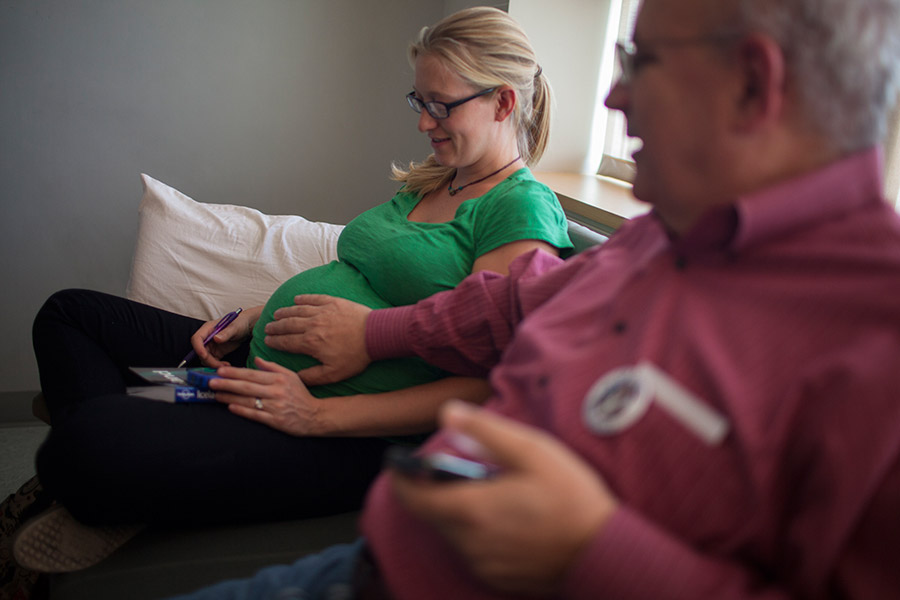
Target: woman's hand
226 340
331 330
273 395
521 530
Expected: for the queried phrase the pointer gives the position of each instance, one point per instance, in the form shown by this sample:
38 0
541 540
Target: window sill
598 202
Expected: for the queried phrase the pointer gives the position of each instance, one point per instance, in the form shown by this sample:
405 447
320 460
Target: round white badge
617 400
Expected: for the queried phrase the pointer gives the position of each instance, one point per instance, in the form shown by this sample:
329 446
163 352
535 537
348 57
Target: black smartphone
437 466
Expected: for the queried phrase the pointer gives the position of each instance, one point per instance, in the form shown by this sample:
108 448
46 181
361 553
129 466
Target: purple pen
222 324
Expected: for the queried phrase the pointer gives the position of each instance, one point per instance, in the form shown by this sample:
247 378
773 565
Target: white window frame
892 159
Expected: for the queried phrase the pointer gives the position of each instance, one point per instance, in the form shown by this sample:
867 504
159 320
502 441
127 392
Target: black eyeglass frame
627 53
440 110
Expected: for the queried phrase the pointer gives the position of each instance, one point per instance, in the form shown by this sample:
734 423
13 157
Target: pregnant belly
342 280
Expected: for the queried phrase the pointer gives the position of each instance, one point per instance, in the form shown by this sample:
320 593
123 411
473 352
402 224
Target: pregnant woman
274 449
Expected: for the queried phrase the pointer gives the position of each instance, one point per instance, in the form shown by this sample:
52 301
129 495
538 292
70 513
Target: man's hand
521 530
331 330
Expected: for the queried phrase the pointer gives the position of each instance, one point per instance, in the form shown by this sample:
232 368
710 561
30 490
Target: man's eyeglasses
630 58
440 110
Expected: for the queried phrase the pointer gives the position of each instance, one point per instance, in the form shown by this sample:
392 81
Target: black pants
115 459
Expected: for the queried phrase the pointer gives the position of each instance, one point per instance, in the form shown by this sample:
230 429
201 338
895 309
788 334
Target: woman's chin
443 154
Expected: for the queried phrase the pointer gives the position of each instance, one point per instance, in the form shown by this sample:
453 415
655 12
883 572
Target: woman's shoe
54 542
16 582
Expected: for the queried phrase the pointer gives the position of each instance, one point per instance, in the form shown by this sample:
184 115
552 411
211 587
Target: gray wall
289 106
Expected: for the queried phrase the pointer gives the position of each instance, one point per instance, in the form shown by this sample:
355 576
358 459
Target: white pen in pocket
621 397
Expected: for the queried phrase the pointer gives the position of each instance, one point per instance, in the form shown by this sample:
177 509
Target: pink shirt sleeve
464 330
633 559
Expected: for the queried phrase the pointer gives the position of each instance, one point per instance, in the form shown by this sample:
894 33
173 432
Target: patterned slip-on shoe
17 582
54 542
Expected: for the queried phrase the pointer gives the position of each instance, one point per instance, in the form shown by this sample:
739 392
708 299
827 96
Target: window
892 160
575 41
615 147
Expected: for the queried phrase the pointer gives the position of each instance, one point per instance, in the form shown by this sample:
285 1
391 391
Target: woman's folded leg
119 459
84 342
112 459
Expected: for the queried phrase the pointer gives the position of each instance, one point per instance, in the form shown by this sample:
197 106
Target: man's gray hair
843 61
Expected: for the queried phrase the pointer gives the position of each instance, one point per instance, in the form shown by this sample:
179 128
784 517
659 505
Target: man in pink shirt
707 405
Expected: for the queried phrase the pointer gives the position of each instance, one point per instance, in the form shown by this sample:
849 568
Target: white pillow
204 260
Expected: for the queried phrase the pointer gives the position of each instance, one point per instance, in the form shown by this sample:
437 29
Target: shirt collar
843 186
713 232
838 188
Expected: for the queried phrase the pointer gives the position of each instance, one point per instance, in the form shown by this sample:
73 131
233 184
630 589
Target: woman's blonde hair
486 48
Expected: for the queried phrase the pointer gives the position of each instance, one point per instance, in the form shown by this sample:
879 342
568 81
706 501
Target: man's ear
506 102
762 69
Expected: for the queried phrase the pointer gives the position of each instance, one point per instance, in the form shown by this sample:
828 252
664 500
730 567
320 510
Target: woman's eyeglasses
440 110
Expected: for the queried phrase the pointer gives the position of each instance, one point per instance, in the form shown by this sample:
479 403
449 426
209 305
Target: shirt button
620 327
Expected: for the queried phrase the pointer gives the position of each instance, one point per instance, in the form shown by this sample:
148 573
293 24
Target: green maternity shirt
386 260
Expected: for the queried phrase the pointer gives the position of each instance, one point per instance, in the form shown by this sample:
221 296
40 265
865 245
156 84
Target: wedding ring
258 404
